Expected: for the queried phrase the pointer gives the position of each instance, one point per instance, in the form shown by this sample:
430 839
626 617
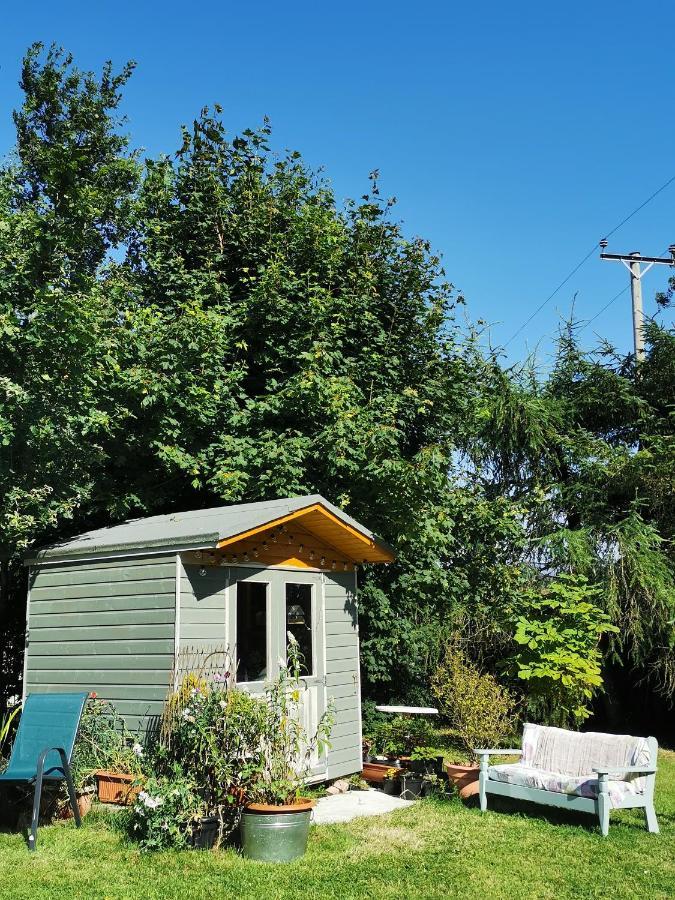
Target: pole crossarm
629 257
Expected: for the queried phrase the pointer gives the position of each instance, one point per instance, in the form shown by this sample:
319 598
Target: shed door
264 607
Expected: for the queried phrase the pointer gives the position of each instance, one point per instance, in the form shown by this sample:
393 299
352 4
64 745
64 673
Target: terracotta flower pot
83 804
465 779
375 773
116 787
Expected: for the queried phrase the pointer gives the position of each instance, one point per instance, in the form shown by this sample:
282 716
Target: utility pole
632 262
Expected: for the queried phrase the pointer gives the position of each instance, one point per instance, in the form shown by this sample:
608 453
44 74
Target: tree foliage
213 326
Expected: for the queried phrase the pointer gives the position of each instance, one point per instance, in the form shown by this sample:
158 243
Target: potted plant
479 710
398 738
434 785
119 781
426 761
413 785
275 820
105 753
391 783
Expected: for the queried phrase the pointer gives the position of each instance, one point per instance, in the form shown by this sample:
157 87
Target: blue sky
514 135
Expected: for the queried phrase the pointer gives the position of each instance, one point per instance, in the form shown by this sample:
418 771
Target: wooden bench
587 772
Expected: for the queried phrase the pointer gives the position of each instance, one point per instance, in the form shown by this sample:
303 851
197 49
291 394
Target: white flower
150 802
138 750
222 704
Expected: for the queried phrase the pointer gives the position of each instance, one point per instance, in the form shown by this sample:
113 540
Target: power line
552 295
606 306
585 259
641 206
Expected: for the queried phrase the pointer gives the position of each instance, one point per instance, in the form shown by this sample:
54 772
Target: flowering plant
215 733
286 750
166 813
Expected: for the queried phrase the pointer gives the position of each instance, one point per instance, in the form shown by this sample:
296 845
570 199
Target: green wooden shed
123 610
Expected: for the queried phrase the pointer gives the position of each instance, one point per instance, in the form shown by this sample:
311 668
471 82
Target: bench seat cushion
581 786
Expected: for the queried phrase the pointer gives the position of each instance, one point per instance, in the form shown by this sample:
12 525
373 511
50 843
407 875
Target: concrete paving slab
354 804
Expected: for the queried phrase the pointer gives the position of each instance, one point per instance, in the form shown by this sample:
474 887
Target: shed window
299 622
251 631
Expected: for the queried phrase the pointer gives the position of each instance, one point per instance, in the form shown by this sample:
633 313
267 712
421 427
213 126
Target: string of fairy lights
281 535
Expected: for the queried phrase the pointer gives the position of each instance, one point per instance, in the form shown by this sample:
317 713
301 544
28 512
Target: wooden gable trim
368 543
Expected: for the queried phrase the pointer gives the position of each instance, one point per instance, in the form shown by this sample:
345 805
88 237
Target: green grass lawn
434 849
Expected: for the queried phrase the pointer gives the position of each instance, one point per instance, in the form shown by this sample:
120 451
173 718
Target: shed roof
220 526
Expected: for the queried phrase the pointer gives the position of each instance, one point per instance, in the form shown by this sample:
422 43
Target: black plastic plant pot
205 834
10 807
413 786
426 766
391 786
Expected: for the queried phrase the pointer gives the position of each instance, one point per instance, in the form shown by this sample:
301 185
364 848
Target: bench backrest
578 753
47 720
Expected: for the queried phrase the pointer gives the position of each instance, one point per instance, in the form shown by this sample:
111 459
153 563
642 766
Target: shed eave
63 554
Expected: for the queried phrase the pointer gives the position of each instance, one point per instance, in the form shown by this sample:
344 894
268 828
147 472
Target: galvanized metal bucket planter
275 833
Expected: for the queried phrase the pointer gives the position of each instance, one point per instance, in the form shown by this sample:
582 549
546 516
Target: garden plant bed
432 849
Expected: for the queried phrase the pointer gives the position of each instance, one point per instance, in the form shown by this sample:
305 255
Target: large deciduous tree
65 200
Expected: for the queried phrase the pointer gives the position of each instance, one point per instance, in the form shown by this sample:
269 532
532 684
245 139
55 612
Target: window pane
251 631
299 622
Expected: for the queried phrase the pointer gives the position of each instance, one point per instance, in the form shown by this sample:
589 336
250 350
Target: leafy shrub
214 735
479 710
425 754
371 720
400 735
557 631
166 812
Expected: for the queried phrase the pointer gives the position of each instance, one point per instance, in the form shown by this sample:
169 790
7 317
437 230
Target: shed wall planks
342 678
203 600
105 626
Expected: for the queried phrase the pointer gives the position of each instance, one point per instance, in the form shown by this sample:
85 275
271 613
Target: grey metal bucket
275 837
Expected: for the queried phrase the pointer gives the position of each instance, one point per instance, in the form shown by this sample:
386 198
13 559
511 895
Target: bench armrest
627 770
497 752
